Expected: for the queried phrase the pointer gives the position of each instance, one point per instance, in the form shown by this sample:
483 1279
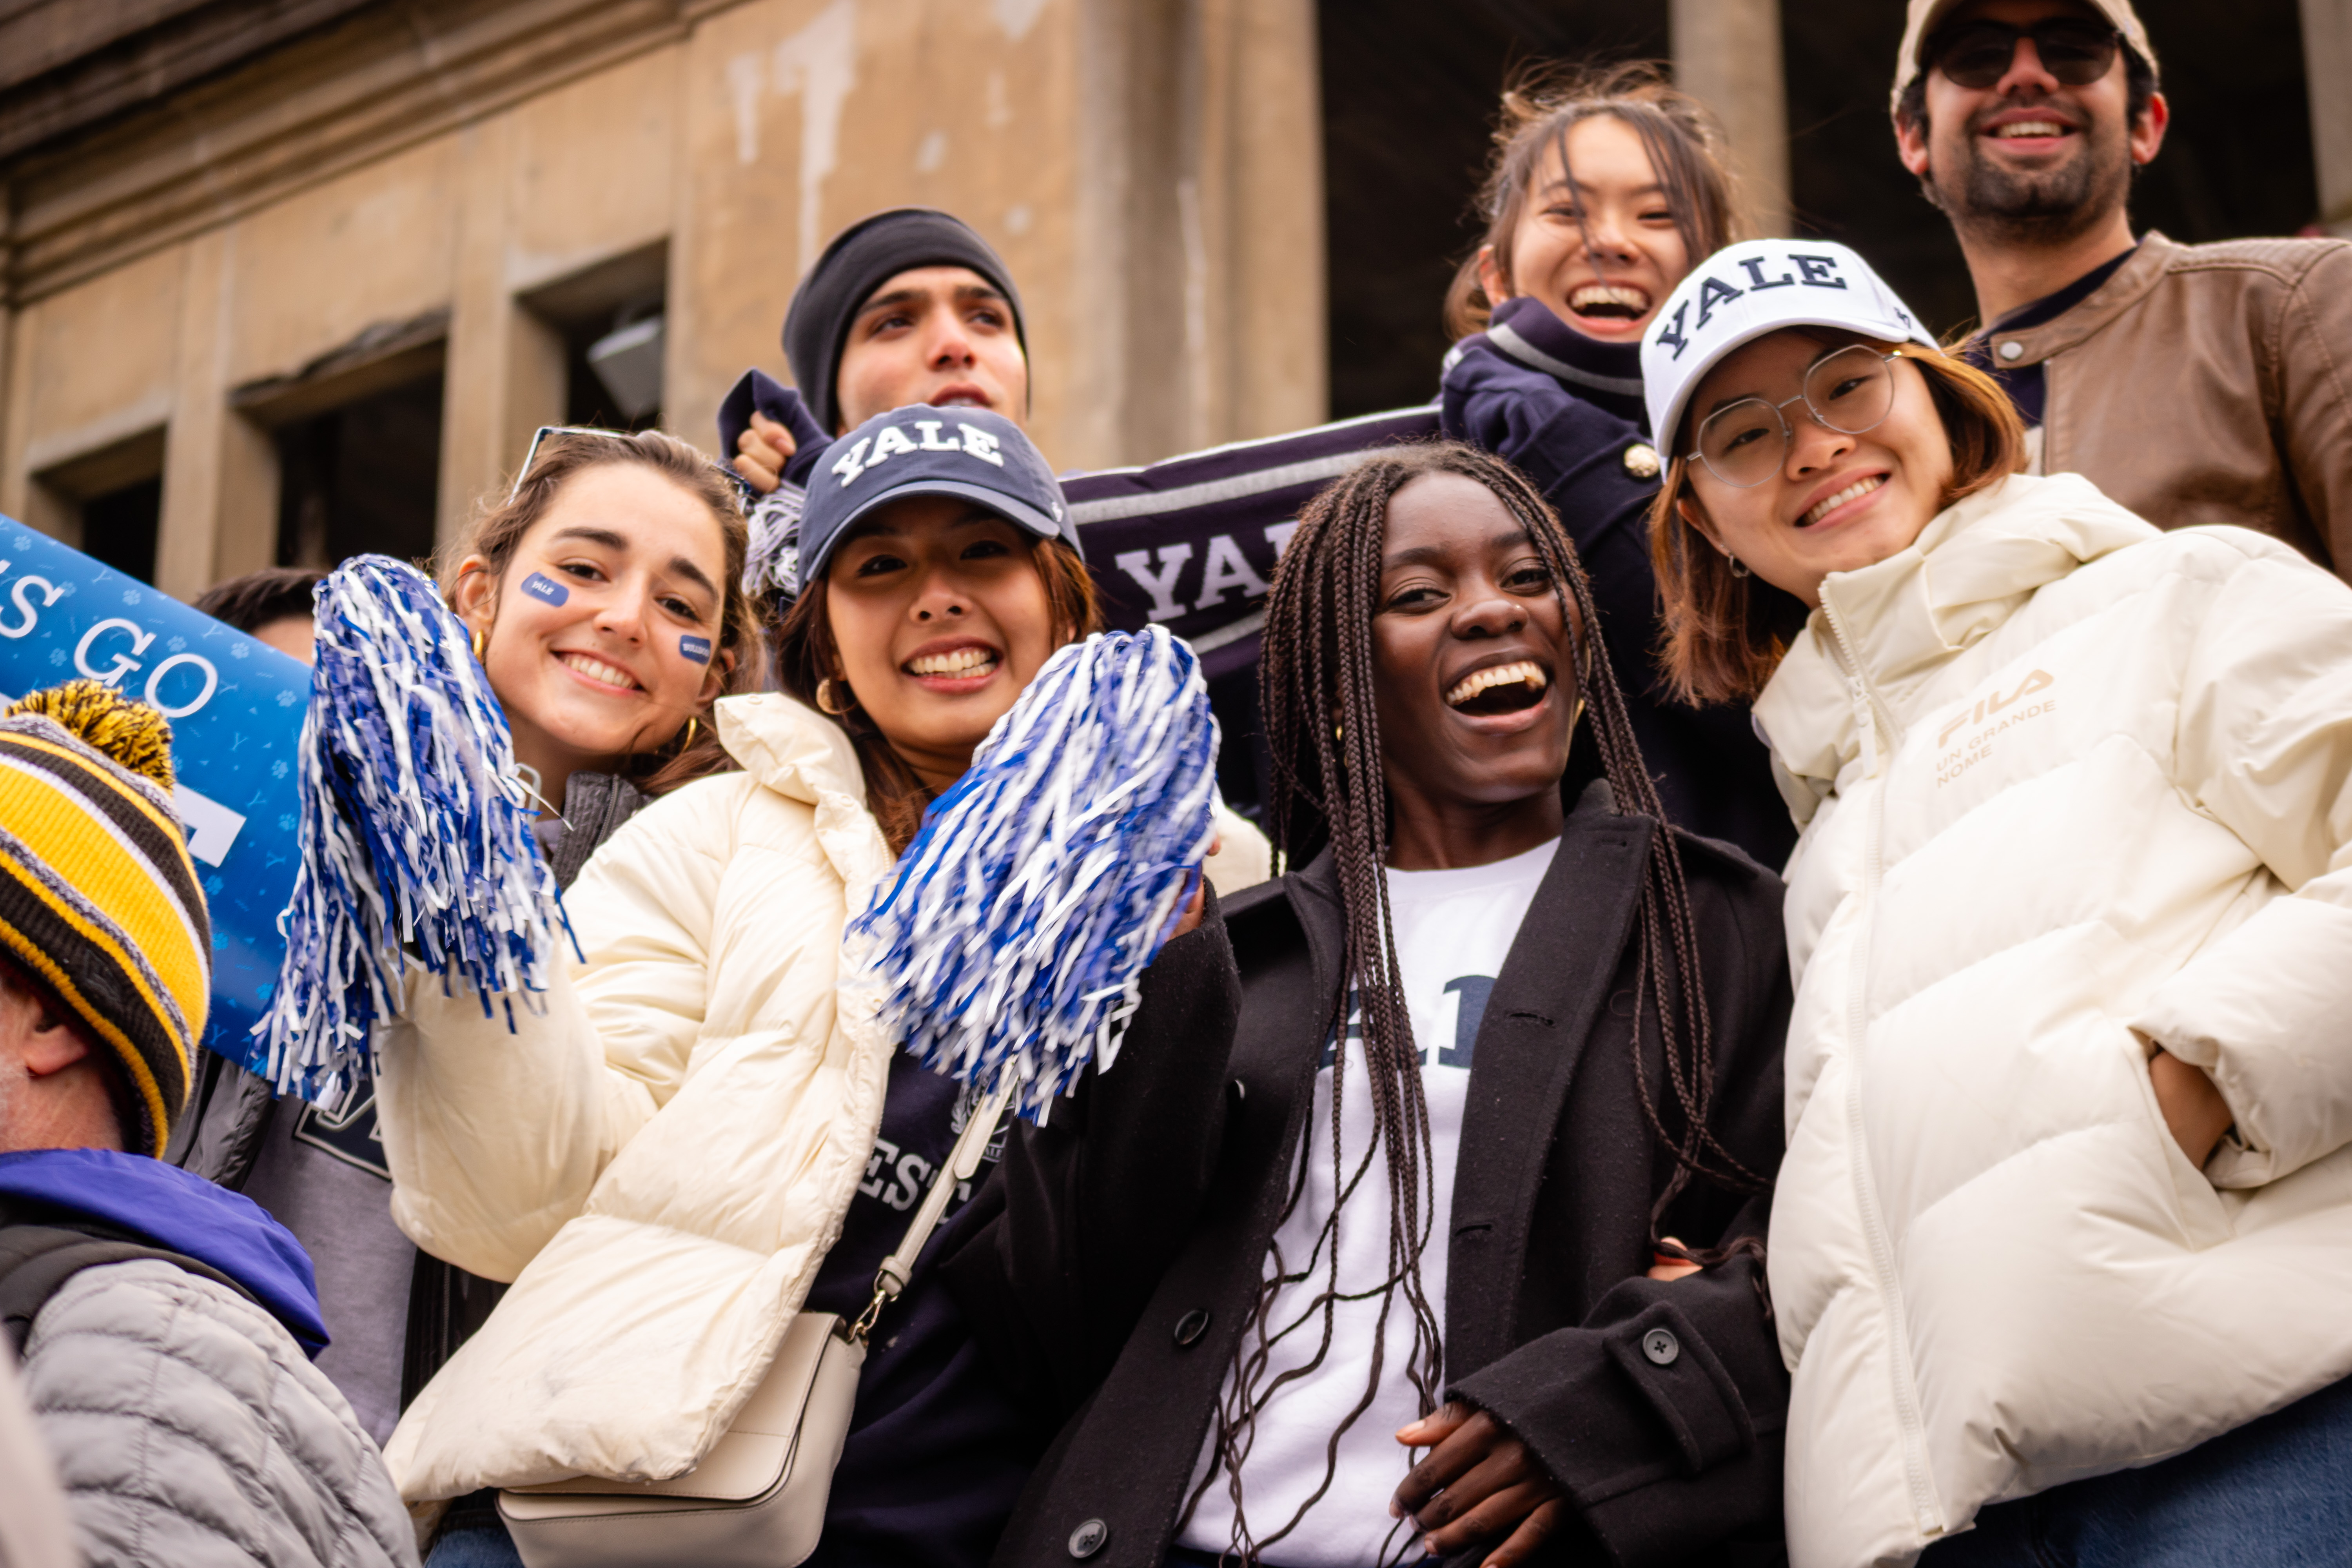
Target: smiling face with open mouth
1476 675
2031 158
1606 275
1837 501
940 618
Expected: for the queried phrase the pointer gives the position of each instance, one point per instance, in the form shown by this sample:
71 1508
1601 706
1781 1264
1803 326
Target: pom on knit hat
98 898
137 736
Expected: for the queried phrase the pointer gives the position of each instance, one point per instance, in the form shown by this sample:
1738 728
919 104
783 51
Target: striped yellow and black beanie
97 897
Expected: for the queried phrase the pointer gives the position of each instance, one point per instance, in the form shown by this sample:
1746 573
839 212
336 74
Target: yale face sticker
545 589
695 650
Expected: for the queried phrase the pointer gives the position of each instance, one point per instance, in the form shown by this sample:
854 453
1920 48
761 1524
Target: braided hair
1322 723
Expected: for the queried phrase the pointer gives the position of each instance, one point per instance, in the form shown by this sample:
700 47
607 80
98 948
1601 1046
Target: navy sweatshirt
1567 410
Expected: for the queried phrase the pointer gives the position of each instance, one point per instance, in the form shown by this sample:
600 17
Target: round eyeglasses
1848 390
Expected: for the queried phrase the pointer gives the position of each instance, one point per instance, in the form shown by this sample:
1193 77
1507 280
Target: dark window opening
119 528
611 367
363 476
107 503
609 320
1410 92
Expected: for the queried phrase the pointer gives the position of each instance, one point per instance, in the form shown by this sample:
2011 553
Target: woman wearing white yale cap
2068 1188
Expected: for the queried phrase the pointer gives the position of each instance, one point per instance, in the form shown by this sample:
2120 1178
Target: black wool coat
1130 1233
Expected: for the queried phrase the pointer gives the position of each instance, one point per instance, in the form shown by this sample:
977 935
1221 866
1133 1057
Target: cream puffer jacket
661 1161
2067 785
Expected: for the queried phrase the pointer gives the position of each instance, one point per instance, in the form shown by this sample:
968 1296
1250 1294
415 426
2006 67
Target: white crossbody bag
758 1498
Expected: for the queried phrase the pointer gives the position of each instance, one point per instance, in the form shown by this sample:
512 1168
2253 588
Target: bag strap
962 1161
36 1261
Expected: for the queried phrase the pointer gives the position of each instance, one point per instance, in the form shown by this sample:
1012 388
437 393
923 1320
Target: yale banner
236 707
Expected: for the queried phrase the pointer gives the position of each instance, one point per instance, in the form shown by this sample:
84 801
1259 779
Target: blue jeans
2275 1493
478 1546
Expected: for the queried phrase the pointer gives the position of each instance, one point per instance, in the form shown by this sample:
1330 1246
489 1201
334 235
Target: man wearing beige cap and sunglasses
2193 384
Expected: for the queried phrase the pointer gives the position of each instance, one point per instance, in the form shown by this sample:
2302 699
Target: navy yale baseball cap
919 450
1745 290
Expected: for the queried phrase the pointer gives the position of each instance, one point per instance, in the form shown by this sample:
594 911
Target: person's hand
1478 1483
1188 920
761 452
1664 1266
2193 1109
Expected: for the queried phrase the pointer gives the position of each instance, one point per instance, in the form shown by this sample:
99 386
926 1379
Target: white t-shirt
1453 931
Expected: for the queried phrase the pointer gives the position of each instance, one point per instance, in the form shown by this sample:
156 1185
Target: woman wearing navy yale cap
696 1141
2062 1247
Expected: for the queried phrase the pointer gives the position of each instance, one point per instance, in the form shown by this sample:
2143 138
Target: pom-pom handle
1008 942
415 832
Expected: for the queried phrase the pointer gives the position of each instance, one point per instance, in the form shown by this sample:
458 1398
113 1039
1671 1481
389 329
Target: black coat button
1192 1326
1089 1538
1661 1346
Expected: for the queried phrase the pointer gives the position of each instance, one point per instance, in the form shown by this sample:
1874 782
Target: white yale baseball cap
1744 290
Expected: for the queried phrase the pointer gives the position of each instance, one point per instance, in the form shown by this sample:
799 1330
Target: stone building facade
281 279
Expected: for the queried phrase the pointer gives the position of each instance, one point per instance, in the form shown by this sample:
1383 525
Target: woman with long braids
1384 1264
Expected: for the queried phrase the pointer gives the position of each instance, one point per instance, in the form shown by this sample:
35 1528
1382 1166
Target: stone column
1727 53
1198 209
2327 66
505 374
220 472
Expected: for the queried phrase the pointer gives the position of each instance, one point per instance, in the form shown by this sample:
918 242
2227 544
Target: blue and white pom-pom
1009 940
416 832
772 558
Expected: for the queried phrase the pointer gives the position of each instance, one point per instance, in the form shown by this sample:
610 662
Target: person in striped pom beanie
99 909
164 1325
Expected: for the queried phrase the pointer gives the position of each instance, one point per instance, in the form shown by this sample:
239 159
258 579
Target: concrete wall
1151 170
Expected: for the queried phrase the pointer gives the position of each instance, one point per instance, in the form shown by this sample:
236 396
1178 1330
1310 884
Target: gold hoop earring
481 644
825 703
686 736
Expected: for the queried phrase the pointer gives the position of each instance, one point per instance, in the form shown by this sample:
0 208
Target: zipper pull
1867 720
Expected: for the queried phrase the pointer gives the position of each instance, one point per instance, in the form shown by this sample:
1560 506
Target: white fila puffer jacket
2068 785
661 1160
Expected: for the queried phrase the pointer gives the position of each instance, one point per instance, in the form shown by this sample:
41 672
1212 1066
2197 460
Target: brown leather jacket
2211 384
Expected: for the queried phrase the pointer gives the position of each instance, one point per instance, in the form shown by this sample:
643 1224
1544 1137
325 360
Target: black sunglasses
1975 55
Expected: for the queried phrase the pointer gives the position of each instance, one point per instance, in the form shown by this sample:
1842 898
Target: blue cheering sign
236 707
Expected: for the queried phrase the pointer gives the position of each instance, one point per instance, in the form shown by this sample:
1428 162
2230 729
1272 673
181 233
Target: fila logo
1990 707
1811 272
894 439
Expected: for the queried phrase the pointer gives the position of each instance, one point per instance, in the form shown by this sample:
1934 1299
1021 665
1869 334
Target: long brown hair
1542 104
1322 724
806 654
498 531
1724 634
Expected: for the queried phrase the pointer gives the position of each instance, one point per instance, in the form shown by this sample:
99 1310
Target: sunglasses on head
743 491
1975 55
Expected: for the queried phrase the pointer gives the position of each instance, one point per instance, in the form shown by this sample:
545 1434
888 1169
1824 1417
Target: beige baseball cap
1926 14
